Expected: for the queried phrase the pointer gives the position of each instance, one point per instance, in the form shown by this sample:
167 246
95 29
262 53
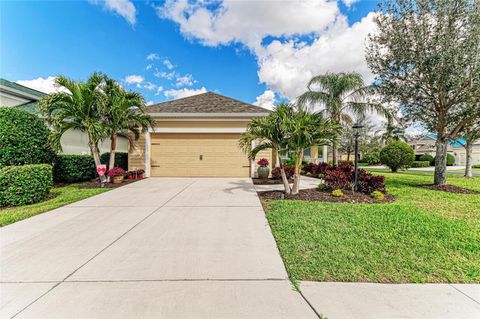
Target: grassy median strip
424 236
60 196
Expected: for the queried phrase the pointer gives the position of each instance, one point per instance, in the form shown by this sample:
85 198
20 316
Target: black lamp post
356 128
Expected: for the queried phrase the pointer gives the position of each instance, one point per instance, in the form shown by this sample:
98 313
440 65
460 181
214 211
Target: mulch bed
269 181
313 194
96 184
451 189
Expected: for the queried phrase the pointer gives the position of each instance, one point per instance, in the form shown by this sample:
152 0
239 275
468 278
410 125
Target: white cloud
185 80
168 64
148 85
266 100
152 57
178 94
124 8
165 75
348 3
45 85
159 90
149 103
133 79
149 67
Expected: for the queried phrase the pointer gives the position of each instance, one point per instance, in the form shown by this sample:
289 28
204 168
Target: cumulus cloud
266 100
184 80
174 94
168 64
45 85
348 3
133 79
124 8
152 57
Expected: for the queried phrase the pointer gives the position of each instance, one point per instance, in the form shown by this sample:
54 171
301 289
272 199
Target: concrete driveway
158 248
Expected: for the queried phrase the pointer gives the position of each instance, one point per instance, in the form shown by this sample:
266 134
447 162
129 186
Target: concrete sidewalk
158 248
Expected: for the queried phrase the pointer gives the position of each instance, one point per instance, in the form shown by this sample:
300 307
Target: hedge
70 168
450 160
27 184
121 159
397 155
427 157
23 139
420 164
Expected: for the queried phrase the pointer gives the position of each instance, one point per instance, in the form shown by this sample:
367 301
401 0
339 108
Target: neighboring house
24 98
426 145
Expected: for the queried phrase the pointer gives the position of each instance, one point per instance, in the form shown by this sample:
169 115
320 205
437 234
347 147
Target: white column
324 153
147 154
252 162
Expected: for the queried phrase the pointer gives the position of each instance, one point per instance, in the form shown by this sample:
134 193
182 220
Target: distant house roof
21 88
206 103
459 142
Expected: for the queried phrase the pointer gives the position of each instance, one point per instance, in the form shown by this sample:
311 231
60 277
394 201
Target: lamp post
356 128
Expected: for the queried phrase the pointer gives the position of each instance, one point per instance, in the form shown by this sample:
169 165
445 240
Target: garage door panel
179 155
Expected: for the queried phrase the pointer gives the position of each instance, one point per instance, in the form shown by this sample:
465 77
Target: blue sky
254 51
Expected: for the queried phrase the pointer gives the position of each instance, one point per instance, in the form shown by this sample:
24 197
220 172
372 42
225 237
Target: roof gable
206 103
21 88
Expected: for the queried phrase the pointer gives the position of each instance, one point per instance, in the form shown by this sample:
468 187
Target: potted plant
263 169
140 173
117 174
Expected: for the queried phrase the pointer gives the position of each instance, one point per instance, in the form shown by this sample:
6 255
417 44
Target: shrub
450 160
420 164
321 187
476 166
121 159
368 183
27 184
309 168
70 168
116 171
337 193
397 155
23 139
263 162
427 158
340 177
377 195
289 171
371 158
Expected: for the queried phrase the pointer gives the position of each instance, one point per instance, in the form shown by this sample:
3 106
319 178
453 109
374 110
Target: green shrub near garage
450 160
72 168
26 184
417 164
23 139
121 159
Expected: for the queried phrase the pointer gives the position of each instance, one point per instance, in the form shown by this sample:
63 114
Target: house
426 145
24 98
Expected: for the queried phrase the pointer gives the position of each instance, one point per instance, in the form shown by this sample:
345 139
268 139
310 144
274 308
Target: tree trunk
348 156
441 162
334 154
113 146
468 164
296 176
96 158
284 176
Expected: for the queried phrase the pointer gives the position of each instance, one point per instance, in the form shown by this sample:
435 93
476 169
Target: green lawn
424 236
62 196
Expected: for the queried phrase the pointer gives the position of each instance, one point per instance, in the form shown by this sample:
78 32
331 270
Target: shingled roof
206 103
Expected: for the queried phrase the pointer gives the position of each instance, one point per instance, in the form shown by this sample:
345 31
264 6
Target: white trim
190 115
147 154
19 93
198 130
252 162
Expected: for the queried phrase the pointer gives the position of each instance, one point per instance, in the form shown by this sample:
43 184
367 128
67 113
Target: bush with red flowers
116 171
263 162
289 171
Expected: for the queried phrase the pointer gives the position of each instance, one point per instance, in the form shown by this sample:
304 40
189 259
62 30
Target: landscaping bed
451 189
96 184
269 181
313 194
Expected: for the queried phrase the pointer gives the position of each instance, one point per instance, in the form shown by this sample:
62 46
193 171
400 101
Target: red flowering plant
116 171
263 162
289 171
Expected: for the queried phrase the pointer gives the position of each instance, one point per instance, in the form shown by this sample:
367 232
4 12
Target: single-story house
24 98
426 145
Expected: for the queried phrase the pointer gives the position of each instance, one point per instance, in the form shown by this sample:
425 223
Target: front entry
198 155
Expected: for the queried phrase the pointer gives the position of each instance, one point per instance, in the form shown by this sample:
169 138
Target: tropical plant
76 109
426 57
340 94
392 132
124 115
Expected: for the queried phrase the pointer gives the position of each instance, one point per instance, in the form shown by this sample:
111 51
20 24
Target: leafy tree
340 94
397 155
426 57
76 109
124 115
470 135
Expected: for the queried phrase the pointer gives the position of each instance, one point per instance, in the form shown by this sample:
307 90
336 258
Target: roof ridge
21 87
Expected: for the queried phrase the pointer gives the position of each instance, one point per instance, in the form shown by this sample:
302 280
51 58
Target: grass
424 236
60 196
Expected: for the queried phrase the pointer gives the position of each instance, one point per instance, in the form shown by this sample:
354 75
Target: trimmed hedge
371 158
428 158
397 155
27 184
476 166
121 159
23 139
416 164
72 168
450 160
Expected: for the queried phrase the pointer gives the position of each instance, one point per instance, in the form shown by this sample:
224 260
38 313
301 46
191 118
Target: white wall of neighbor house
76 142
11 100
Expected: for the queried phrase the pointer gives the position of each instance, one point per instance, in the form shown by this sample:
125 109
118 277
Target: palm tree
269 132
392 132
76 109
340 94
124 115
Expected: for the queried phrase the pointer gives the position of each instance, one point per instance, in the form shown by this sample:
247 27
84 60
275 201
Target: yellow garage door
205 154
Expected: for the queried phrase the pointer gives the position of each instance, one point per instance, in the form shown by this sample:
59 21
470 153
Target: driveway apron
157 248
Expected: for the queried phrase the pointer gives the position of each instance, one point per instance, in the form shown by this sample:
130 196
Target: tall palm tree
392 132
124 115
76 109
269 132
340 94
